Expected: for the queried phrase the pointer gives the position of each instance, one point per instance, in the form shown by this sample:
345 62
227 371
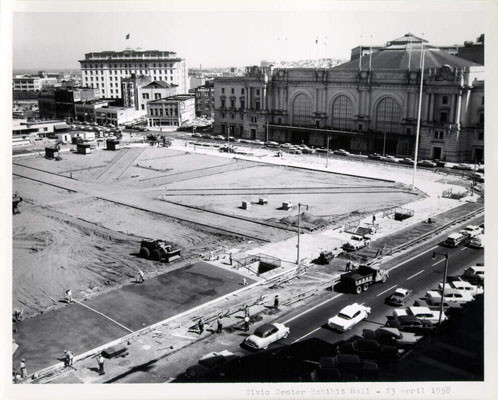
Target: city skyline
38 44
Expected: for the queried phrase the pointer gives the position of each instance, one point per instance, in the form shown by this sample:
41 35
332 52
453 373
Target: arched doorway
388 116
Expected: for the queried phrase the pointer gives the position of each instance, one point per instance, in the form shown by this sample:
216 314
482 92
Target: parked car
422 313
209 363
348 365
463 286
370 349
426 163
391 159
231 138
286 146
196 135
356 242
440 163
455 240
348 317
207 136
295 151
451 296
265 335
220 137
257 142
342 152
308 150
471 230
463 167
272 145
375 156
392 337
474 275
406 161
409 323
399 297
321 150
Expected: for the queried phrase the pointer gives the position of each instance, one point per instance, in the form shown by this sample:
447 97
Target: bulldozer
158 250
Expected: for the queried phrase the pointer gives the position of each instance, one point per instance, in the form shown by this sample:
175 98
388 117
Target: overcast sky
57 40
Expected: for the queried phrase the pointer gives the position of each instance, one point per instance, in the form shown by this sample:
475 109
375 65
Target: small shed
287 205
246 205
51 152
83 148
112 144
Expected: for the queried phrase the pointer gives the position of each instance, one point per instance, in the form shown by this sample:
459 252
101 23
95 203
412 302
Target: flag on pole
127 36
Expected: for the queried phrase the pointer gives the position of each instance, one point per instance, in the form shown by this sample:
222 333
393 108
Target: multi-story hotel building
104 70
171 112
369 104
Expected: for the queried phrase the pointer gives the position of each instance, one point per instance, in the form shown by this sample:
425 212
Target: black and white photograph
249 199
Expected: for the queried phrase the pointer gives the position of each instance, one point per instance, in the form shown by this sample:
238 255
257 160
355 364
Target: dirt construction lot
83 217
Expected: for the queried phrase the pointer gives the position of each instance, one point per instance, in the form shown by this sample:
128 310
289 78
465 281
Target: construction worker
200 326
244 282
100 361
246 323
70 358
348 266
22 367
69 296
220 325
140 278
275 302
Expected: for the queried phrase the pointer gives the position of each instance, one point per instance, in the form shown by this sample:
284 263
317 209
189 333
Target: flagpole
422 66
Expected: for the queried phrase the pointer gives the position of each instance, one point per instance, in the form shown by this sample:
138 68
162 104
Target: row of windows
145 96
232 116
242 91
130 65
143 72
158 112
232 104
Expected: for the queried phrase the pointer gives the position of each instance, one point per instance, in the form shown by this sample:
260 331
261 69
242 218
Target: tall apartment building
105 70
204 100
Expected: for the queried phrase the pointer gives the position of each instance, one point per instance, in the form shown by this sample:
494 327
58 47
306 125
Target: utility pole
327 162
473 178
267 127
299 227
417 138
446 256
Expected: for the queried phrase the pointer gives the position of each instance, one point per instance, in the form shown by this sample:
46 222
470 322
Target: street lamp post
384 147
446 257
299 227
327 162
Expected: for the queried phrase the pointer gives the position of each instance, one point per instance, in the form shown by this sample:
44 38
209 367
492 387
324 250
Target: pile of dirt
309 221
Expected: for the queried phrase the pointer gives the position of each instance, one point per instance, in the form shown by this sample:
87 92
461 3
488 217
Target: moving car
348 317
422 313
392 337
471 230
266 334
455 239
370 349
342 152
399 297
477 241
409 323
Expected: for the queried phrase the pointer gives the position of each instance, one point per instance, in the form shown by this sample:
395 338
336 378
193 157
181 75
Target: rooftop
178 97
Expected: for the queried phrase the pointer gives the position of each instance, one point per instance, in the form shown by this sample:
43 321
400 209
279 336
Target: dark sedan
371 350
410 323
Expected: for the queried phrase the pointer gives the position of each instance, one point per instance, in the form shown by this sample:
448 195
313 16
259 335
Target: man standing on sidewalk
100 361
220 325
276 302
22 367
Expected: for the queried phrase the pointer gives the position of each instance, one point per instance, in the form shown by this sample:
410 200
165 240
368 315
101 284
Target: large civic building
369 104
105 70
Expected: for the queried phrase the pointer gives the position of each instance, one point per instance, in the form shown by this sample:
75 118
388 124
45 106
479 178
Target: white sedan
348 317
265 335
423 313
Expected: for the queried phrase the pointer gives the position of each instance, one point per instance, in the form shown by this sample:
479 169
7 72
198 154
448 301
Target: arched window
302 110
388 116
342 113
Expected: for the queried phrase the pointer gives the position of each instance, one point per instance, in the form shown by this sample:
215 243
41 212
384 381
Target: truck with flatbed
361 278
